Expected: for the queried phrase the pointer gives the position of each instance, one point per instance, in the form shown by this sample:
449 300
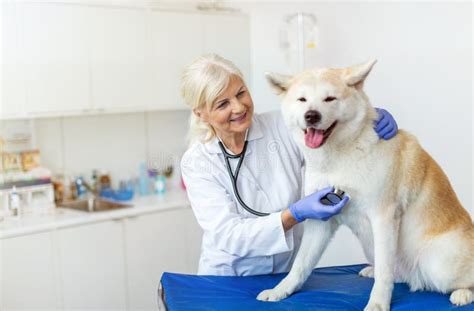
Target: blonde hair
201 83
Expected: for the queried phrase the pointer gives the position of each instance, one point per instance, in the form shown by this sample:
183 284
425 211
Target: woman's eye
302 99
240 93
329 99
222 105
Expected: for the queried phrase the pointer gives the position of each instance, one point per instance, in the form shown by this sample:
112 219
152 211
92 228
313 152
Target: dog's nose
312 117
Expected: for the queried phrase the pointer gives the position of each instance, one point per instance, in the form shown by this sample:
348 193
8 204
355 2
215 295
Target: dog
402 208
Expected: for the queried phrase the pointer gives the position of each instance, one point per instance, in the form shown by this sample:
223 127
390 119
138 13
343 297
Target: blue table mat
330 288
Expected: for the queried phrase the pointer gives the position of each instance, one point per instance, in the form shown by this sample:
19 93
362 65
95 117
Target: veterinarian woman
235 241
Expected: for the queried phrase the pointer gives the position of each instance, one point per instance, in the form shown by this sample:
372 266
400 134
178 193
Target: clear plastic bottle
14 203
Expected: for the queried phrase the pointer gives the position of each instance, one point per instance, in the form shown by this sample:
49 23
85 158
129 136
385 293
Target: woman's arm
231 232
312 207
287 220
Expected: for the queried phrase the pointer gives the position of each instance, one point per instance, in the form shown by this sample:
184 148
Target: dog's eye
302 99
329 99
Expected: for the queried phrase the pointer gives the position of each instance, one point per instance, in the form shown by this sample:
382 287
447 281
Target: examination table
331 288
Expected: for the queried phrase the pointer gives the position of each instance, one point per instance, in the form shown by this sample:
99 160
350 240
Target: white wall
423 75
117 143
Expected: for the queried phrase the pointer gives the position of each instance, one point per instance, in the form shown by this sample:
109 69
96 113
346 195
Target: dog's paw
271 295
367 272
461 297
373 306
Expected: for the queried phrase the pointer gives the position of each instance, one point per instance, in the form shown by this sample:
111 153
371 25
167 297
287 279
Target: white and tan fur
402 207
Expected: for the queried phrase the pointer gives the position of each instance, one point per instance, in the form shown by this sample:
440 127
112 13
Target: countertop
64 217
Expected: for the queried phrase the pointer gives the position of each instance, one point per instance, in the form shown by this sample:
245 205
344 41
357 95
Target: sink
94 205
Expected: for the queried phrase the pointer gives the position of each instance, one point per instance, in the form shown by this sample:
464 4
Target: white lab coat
236 242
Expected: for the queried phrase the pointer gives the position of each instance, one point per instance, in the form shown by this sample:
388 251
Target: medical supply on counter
143 180
11 162
117 195
14 203
95 180
80 187
36 176
168 171
30 159
59 190
104 181
159 184
158 181
28 200
23 161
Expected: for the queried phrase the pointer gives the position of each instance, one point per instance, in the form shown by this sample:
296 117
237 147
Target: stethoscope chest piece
333 198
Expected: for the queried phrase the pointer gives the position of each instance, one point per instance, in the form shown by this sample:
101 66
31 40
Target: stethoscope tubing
233 177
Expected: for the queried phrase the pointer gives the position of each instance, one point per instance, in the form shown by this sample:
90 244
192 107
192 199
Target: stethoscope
331 198
233 177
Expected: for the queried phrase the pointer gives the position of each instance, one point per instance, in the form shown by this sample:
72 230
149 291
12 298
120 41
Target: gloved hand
386 126
311 207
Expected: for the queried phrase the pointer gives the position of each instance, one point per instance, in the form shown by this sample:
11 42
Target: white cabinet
177 39
193 241
121 76
56 62
72 59
28 279
109 265
155 243
12 83
92 266
228 36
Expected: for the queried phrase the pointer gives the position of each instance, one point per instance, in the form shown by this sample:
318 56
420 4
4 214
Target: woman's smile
240 118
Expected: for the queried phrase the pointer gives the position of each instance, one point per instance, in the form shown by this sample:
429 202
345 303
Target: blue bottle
160 184
80 187
143 180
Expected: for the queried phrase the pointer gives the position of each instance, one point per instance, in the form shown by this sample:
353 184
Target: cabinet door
27 275
92 266
56 65
13 88
177 39
155 243
193 241
229 36
119 55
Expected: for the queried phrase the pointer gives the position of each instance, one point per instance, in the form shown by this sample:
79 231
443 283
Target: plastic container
159 185
143 181
14 203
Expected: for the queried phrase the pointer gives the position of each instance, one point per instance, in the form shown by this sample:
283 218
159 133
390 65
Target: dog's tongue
313 138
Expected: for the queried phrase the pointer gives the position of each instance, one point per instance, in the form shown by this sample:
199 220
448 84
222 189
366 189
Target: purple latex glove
386 126
311 207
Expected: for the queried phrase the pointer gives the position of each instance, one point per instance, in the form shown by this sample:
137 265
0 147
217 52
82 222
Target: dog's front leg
316 237
385 230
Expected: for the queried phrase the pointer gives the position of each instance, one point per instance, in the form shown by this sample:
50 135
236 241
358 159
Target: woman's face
231 112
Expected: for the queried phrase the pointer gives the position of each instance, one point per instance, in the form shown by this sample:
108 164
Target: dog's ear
355 75
278 82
